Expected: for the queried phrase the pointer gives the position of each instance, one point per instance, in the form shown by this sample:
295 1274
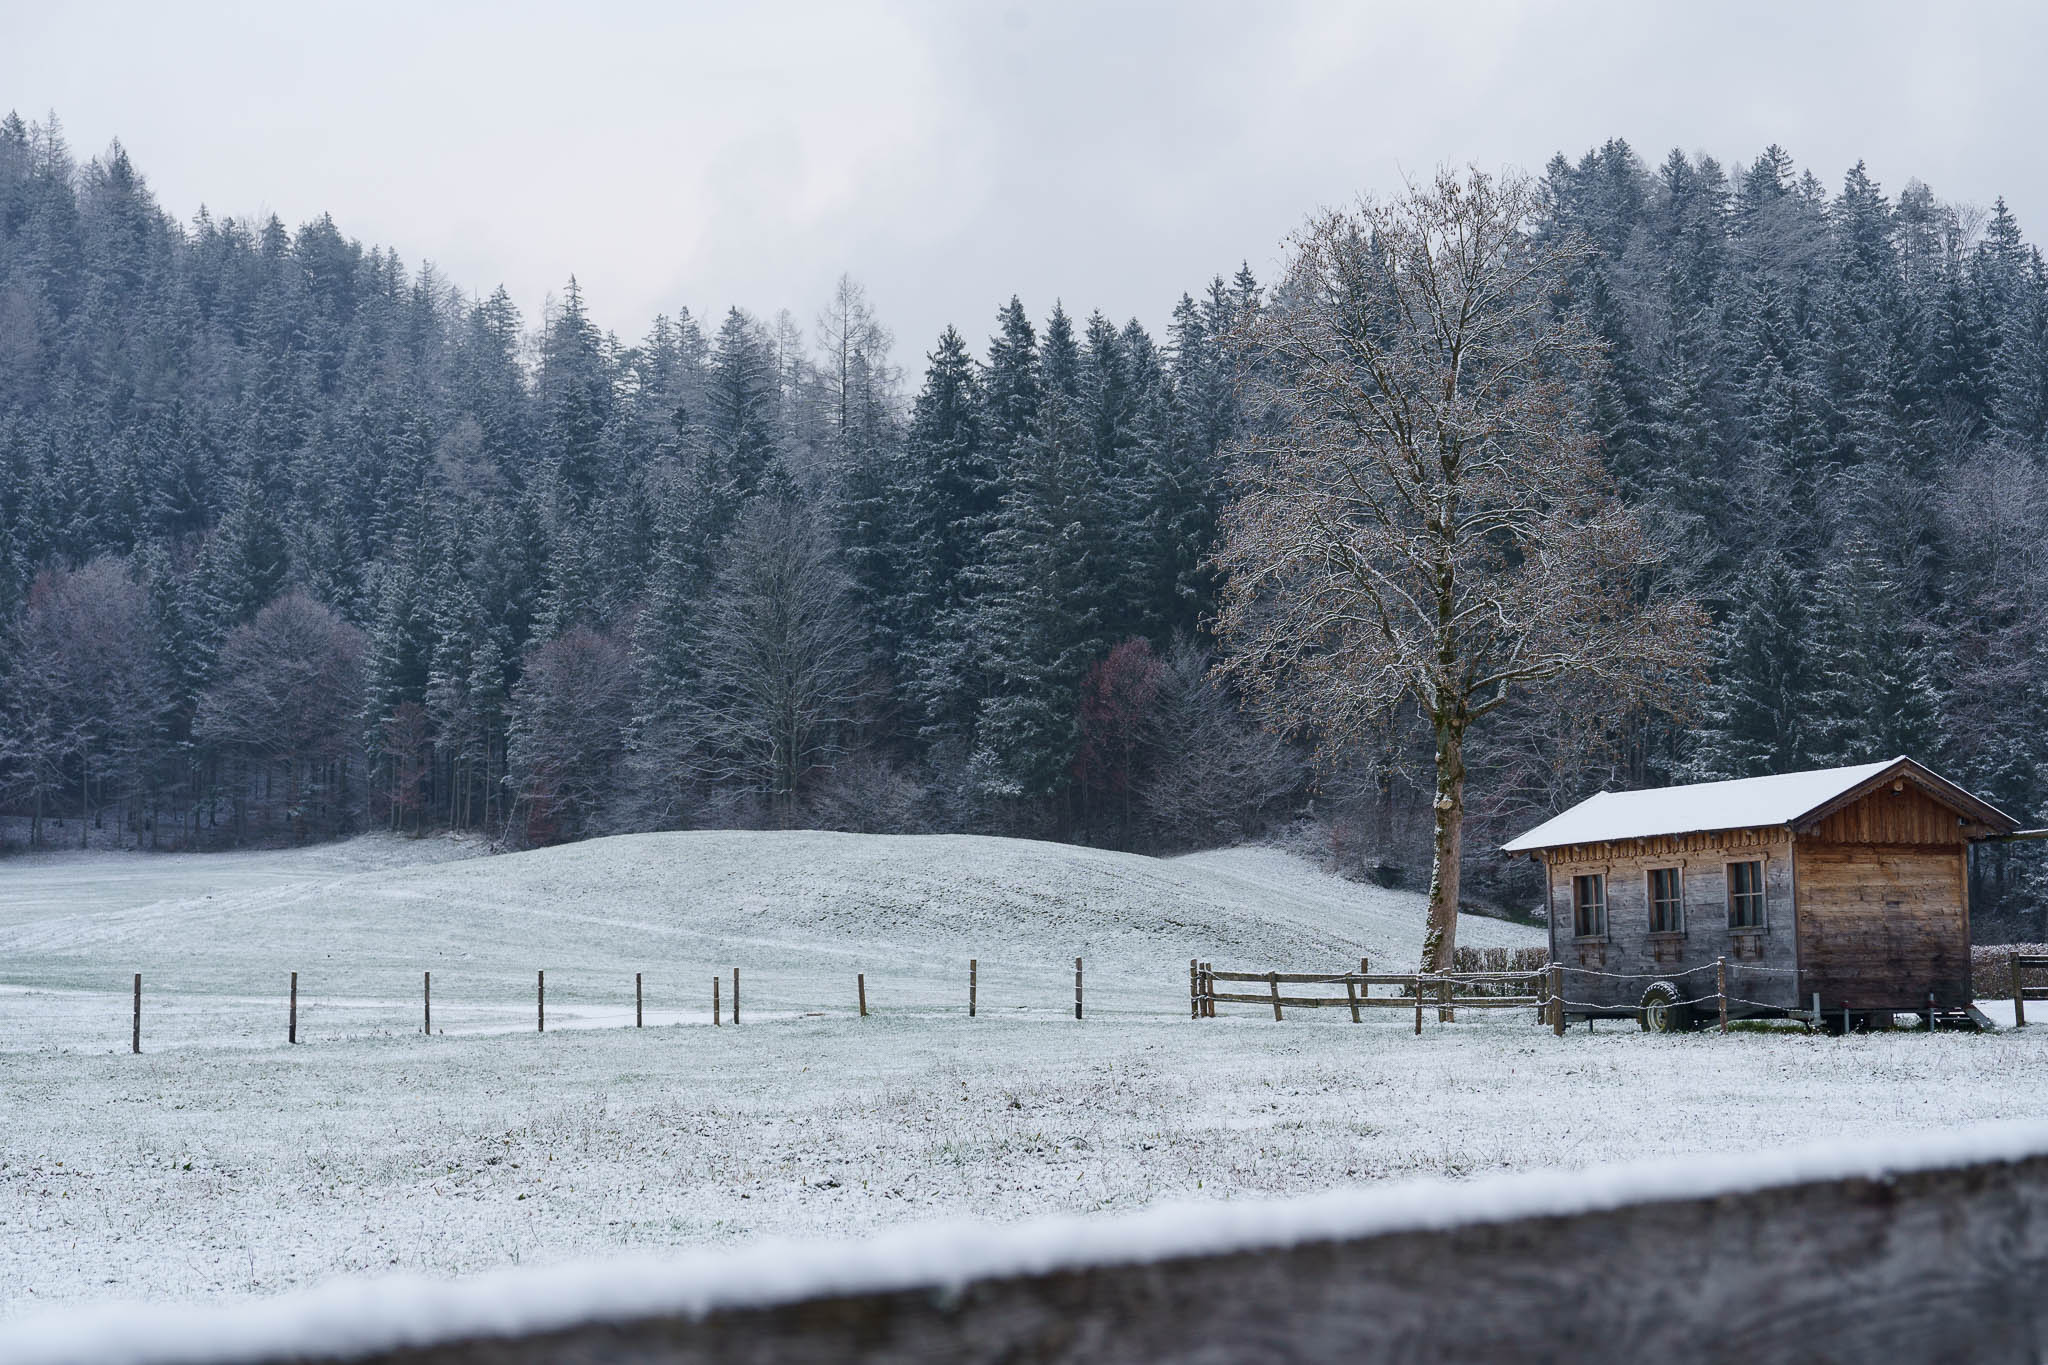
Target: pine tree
1757 715
1037 623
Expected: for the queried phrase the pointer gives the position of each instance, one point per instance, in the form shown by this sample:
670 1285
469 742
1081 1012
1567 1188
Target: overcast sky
948 155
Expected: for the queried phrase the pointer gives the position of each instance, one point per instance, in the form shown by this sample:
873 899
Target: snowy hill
799 913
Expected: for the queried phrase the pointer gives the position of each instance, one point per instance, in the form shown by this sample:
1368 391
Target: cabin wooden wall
1908 816
1884 904
1634 957
1880 925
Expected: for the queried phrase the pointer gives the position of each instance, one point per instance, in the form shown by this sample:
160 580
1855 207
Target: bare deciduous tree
568 715
1213 777
85 690
781 651
1422 517
289 694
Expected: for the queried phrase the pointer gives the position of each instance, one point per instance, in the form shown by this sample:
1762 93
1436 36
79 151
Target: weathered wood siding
1882 925
1908 816
1613 972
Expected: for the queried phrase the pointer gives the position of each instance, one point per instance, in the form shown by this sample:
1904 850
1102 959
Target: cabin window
1667 910
1589 906
1746 895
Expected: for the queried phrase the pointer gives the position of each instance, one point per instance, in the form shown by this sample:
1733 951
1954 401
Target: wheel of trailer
1661 1011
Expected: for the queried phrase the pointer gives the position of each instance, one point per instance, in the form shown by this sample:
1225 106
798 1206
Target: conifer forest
298 537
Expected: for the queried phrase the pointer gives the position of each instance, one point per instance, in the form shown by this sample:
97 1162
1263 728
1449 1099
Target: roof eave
1971 807
1633 838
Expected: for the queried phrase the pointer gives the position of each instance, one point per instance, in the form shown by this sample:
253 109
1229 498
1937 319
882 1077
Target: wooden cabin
1851 884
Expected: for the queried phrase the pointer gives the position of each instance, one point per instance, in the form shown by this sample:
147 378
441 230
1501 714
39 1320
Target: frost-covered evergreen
1832 407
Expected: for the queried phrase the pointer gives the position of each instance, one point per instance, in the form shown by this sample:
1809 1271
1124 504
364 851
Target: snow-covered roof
1745 803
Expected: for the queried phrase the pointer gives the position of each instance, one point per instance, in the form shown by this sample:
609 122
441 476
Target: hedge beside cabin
1852 883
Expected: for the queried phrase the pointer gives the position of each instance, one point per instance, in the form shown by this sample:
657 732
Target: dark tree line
1832 406
295 539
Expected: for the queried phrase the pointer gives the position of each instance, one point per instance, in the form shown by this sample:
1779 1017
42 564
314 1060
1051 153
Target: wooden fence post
735 995
1077 988
1721 988
714 999
427 1003
1444 1012
2019 992
1351 994
1273 984
973 974
291 1029
639 1018
1208 990
540 1003
1557 998
1418 1004
1194 988
135 1039
860 984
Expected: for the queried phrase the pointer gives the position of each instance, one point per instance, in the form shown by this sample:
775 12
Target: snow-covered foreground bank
223 1162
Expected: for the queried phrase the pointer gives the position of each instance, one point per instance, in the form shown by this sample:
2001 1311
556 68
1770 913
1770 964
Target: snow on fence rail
1417 991
1925 1248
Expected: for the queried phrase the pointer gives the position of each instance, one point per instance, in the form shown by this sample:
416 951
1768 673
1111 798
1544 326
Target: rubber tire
1660 1012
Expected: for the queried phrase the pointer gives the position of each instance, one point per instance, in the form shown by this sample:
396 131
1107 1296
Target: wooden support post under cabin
135 1038
639 1018
1077 988
714 999
735 995
973 981
1721 988
291 1028
540 1002
427 1003
1557 999
1351 994
860 984
1273 985
2019 992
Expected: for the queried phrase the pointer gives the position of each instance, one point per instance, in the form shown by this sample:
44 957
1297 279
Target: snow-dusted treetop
1745 803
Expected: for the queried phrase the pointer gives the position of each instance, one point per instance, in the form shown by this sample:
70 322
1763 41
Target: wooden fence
2020 964
1447 992
1839 1258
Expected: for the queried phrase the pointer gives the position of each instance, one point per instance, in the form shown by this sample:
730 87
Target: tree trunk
1440 938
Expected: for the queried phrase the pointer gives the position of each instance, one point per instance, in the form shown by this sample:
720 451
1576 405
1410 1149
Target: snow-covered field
224 1162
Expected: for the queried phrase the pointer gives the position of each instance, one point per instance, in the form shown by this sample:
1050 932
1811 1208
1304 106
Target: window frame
1580 931
1676 929
1762 893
